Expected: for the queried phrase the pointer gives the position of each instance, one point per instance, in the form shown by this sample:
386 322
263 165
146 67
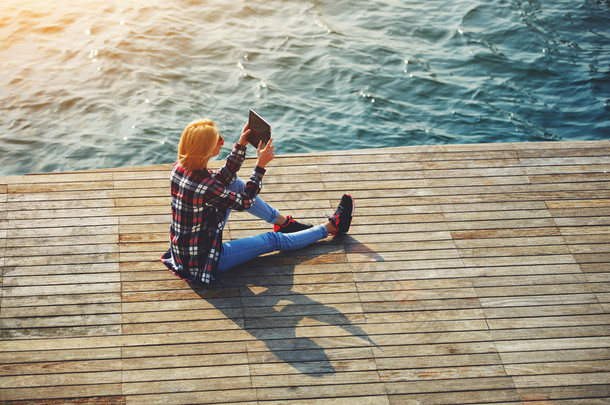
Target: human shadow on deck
271 309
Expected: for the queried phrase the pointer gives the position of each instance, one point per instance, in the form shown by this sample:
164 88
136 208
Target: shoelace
335 218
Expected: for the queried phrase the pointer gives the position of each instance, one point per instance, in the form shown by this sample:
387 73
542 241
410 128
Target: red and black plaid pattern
200 200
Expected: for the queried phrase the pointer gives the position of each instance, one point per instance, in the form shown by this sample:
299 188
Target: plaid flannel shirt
200 201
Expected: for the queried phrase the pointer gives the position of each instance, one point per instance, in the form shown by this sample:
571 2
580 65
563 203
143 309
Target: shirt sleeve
228 172
219 196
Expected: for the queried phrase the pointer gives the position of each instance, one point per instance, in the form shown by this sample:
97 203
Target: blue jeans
243 250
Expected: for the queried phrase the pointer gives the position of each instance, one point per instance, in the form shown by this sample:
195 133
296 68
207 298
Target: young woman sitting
203 199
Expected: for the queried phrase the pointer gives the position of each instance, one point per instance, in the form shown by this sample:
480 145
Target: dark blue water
94 84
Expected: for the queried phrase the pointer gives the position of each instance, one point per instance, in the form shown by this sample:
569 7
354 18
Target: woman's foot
342 219
291 226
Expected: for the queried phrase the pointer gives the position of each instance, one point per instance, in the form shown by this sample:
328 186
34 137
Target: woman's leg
260 209
242 250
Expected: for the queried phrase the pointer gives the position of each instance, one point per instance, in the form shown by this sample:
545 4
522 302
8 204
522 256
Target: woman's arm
228 172
218 195
221 197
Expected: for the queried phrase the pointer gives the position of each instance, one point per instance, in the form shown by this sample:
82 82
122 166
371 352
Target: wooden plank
553 344
572 367
50 310
364 400
554 170
39 187
544 222
481 215
451 386
215 391
161 374
585 394
543 356
59 269
552 299
63 289
96 238
498 396
32 322
33 251
549 333
565 161
68 213
58 361
409 168
437 373
63 222
578 204
345 390
474 173
56 178
106 393
533 260
20 199
552 278
562 380
584 230
506 241
48 233
31 381
569 178
82 278
539 148
477 181
85 259
437 365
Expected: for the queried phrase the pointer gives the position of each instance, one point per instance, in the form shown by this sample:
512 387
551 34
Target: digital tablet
260 130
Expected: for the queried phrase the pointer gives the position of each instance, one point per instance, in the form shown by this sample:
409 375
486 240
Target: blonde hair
197 144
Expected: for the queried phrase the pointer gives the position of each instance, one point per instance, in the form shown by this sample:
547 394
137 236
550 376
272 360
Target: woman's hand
265 154
243 139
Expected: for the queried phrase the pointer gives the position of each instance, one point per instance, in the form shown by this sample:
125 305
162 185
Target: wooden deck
472 274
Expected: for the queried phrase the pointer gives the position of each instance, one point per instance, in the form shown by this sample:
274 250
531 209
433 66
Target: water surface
95 84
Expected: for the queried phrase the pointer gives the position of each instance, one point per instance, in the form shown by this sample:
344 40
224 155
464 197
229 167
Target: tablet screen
260 130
